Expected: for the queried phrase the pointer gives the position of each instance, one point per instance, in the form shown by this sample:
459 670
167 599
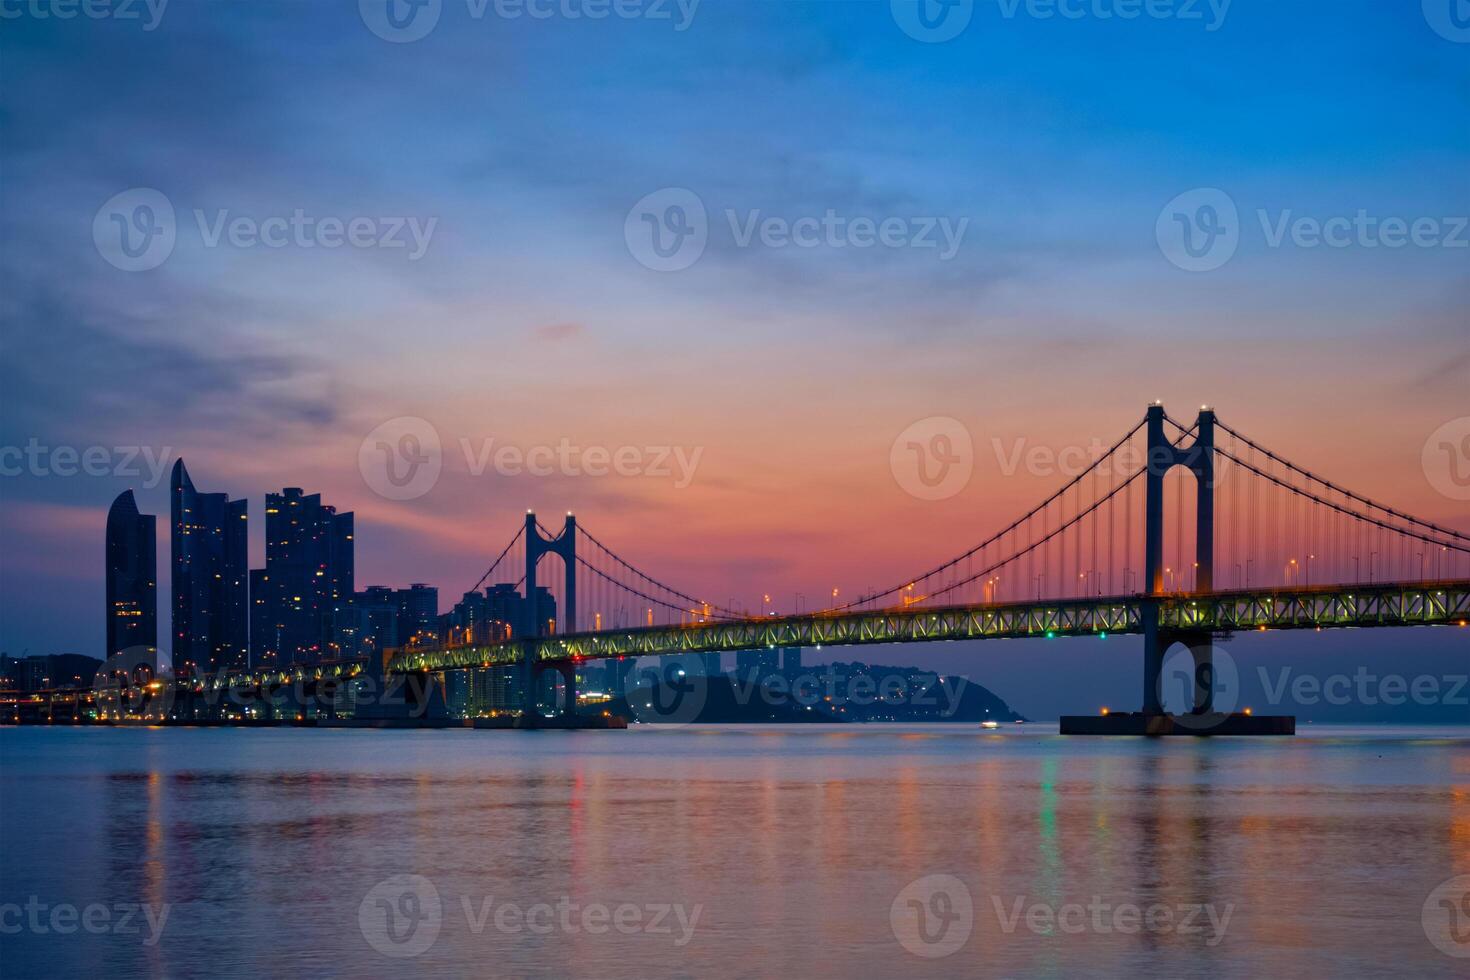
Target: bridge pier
1202 650
1154 646
1202 719
566 710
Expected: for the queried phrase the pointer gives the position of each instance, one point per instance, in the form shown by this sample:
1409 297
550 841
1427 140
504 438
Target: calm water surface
729 852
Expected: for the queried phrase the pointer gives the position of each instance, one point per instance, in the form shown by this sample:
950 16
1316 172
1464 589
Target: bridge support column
568 673
1154 645
1202 651
567 708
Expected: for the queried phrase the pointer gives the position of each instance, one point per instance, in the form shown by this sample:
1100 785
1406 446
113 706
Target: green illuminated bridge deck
1358 607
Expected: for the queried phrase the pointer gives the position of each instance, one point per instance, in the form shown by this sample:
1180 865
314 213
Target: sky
504 173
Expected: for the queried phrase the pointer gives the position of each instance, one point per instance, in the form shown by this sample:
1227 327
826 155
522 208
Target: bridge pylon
534 626
1199 459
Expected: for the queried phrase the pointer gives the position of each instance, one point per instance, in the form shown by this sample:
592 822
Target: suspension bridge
1179 534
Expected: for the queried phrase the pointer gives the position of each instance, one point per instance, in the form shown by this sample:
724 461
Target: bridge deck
1334 607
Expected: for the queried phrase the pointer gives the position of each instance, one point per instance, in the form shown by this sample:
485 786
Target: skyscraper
420 616
379 618
308 577
265 634
132 580
210 578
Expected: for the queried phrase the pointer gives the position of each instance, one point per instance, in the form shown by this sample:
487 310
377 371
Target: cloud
77 369
556 332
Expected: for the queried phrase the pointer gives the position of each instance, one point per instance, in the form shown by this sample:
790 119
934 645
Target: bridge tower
1199 459
538 545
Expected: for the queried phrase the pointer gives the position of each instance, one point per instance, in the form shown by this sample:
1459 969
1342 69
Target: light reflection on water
792 843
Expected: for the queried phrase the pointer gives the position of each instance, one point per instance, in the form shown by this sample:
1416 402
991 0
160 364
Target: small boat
989 724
